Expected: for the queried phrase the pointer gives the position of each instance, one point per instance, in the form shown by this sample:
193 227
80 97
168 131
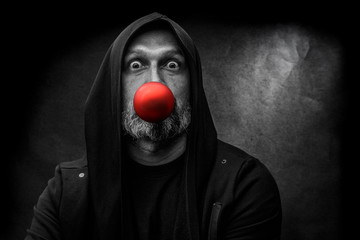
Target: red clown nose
153 102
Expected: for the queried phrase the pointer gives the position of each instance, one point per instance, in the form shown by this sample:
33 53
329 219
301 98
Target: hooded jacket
228 193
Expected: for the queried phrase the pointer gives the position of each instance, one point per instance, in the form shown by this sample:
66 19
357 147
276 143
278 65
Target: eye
135 65
172 65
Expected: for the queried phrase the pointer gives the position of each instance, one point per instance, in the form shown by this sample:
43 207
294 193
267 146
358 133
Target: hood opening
103 135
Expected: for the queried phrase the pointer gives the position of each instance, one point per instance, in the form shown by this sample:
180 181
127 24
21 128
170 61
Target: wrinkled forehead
153 36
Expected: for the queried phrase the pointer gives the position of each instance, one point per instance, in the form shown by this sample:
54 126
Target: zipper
214 218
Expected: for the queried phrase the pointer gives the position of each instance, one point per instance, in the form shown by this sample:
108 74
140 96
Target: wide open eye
172 65
135 65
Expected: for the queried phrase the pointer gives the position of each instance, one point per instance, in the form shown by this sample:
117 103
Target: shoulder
66 196
235 171
243 166
232 153
74 178
74 168
248 192
234 160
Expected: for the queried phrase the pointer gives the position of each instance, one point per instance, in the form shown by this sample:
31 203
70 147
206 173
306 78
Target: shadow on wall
273 92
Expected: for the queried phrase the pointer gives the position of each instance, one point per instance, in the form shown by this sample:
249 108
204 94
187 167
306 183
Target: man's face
155 56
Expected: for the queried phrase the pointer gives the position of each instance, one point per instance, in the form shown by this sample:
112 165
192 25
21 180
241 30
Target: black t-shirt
154 193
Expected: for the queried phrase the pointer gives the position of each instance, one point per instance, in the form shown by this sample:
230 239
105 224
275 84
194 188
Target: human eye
172 65
135 65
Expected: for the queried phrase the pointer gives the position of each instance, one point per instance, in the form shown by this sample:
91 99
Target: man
162 179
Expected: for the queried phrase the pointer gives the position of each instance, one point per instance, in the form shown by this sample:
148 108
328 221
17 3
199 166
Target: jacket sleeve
45 223
256 211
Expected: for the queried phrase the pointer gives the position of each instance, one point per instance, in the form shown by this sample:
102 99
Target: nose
153 102
155 75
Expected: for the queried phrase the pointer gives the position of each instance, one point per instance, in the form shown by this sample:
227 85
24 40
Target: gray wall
274 91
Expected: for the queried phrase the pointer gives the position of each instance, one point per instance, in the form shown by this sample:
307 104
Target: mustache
178 122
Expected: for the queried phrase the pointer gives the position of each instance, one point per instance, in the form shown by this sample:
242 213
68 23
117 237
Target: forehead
153 39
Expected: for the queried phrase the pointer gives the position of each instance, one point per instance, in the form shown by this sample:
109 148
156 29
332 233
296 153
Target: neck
150 153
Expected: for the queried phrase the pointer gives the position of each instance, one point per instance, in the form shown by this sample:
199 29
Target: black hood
103 133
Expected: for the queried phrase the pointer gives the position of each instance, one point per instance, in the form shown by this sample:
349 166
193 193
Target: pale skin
155 56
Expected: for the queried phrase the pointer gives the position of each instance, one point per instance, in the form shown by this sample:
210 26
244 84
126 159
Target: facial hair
176 124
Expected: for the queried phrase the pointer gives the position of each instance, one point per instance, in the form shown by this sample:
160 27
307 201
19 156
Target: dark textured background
278 88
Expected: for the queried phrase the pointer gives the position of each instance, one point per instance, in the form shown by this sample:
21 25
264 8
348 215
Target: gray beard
176 124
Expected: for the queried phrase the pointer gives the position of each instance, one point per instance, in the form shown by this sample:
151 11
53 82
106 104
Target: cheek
129 87
180 87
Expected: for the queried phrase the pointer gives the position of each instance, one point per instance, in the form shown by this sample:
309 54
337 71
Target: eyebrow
142 52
